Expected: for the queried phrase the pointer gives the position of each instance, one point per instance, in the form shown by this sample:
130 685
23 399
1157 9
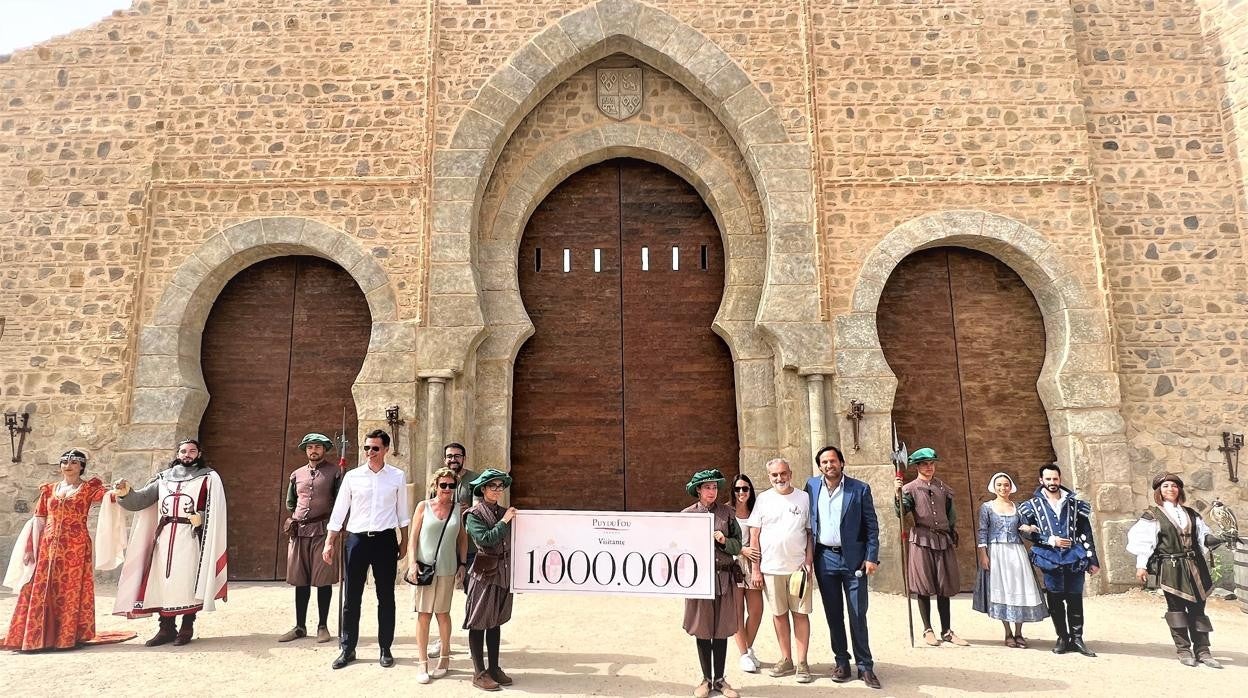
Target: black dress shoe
1077 644
344 659
1062 646
840 674
868 677
387 659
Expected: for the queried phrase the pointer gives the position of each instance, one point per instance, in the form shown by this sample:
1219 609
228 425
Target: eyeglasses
372 448
446 485
740 489
496 486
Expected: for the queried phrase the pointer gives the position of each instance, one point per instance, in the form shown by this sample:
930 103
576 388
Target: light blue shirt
830 505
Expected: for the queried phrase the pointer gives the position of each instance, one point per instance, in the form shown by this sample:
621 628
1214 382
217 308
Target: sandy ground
560 645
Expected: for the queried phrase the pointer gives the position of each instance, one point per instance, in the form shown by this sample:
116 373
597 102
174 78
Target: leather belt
370 534
834 548
173 519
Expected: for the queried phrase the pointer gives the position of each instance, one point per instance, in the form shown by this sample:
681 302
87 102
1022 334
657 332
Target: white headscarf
992 481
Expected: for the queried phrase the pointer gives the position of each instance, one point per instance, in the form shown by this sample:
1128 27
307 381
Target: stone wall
1096 147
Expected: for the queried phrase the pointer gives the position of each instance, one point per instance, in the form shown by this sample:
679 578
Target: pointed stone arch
781 169
1077 385
169 395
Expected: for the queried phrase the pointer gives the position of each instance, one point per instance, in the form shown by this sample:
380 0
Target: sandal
929 636
1020 641
422 675
444 666
1010 641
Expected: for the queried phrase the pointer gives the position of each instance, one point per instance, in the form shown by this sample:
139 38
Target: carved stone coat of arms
619 92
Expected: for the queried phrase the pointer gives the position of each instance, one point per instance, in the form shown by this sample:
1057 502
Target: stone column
815 407
435 419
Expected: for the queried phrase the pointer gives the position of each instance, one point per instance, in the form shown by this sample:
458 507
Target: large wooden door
966 339
624 390
281 349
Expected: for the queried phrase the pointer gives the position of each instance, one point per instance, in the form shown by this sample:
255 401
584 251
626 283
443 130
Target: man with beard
176 562
310 499
1061 529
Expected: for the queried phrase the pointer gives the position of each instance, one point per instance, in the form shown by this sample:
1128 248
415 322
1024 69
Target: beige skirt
436 597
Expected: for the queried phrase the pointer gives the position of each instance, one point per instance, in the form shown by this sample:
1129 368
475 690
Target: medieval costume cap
992 483
315 438
704 476
487 477
922 456
1161 478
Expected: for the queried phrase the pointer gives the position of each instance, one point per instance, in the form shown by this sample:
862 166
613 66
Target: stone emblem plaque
619 92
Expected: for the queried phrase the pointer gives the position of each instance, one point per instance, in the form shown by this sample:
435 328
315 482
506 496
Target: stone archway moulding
790 308
169 395
1077 385
508 324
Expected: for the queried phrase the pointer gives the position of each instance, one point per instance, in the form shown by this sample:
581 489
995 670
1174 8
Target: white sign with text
612 552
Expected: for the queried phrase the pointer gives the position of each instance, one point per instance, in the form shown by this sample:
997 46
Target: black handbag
424 573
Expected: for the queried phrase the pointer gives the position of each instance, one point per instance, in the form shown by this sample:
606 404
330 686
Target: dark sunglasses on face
446 485
740 489
372 448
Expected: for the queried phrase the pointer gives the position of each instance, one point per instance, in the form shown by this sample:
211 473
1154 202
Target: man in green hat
310 499
932 563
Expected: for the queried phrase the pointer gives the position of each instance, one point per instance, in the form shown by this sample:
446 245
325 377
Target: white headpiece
992 481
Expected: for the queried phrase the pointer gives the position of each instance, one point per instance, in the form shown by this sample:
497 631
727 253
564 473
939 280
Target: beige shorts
780 599
436 597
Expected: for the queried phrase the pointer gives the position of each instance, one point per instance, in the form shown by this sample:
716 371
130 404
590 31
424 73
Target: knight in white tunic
176 563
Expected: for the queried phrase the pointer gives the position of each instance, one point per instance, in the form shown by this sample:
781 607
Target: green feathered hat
704 476
487 477
315 438
922 455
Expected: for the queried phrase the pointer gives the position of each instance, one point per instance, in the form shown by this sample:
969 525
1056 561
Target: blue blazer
860 530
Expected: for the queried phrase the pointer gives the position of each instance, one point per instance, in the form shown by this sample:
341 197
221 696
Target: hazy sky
28 22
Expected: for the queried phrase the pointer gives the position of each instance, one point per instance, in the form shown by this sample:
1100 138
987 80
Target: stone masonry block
619 17
583 27
279 229
475 130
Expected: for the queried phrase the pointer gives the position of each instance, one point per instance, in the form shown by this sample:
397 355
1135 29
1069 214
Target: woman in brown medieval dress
489 579
713 621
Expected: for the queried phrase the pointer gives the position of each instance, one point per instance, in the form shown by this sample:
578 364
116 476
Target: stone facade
1096 148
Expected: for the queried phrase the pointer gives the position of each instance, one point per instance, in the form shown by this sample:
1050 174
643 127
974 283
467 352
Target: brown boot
187 633
485 682
167 633
499 677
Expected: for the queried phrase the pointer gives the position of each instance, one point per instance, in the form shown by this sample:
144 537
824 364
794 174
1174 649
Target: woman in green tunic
489 578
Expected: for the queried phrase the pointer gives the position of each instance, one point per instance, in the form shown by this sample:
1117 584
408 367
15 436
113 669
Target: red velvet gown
56 608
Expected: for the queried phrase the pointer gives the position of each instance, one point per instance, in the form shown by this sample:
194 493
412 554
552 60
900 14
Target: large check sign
611 552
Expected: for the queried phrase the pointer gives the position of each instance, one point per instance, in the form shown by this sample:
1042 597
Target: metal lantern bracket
857 410
1231 444
393 421
17 434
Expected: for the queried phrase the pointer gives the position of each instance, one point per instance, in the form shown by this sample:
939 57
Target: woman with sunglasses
51 565
489 578
440 540
748 602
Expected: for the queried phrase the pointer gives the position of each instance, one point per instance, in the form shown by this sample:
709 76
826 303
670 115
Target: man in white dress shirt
375 497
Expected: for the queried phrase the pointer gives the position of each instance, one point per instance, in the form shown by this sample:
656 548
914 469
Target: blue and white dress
1007 591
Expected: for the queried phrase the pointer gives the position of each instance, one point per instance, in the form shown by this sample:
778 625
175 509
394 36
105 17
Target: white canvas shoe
747 664
754 658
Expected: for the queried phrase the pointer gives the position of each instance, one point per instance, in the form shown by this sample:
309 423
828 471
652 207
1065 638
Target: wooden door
624 390
281 349
965 338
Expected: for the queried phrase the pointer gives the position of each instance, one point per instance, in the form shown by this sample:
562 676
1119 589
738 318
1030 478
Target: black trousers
381 552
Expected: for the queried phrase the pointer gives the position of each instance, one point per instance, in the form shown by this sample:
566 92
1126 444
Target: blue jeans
838 585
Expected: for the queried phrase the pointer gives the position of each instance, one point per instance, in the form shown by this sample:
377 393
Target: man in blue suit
847 553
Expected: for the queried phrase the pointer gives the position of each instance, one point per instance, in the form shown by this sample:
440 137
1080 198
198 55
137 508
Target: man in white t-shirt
780 530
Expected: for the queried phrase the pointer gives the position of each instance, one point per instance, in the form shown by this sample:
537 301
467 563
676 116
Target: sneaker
803 673
754 658
784 667
747 664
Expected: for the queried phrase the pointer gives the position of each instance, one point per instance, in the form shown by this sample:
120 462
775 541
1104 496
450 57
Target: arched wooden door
624 390
281 349
966 339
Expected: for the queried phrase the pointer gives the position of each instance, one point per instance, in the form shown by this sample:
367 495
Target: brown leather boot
166 634
499 677
187 633
485 682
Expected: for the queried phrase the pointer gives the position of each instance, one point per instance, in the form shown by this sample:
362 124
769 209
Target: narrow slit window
567 260
704 258
675 258
537 259
645 259
597 260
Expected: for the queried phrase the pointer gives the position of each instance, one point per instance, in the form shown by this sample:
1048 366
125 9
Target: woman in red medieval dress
56 602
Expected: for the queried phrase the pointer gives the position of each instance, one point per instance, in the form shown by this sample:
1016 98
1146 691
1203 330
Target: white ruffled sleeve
1202 532
1142 540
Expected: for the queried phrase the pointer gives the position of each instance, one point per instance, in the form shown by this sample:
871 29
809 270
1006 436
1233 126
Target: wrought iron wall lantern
1231 443
393 421
857 410
17 434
